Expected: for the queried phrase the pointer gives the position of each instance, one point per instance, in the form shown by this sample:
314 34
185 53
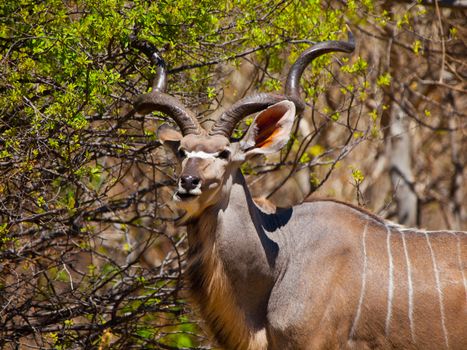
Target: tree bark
400 165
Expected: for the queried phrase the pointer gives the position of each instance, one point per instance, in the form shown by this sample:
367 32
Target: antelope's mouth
183 195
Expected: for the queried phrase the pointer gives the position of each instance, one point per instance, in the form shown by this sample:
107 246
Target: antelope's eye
181 153
225 154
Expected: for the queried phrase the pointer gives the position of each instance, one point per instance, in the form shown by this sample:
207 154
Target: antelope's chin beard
193 203
187 201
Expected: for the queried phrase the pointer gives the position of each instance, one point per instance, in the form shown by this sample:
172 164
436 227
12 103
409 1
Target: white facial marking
195 191
438 287
362 291
201 154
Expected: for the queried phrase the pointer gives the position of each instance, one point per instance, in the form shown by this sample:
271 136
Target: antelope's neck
229 270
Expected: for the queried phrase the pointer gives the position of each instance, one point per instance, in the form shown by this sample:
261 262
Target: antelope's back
350 273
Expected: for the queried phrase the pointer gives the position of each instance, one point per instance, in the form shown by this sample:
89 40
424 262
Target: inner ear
270 130
267 126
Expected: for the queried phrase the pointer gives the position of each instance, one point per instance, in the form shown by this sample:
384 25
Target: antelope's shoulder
321 221
334 212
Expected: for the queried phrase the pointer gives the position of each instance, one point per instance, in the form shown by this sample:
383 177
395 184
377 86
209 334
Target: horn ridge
296 71
225 125
158 100
172 107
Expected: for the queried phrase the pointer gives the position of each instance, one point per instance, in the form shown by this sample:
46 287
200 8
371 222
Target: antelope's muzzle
189 186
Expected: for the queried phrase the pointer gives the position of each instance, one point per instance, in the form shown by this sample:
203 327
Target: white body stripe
409 287
390 281
362 291
461 266
440 292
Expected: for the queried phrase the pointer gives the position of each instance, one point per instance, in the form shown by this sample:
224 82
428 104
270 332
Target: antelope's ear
270 130
170 137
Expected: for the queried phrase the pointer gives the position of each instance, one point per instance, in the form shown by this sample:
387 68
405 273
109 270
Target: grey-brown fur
321 275
297 276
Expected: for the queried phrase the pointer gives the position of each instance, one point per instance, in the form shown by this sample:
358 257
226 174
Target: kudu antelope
320 275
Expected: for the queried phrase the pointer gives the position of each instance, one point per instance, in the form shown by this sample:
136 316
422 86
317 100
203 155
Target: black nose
189 182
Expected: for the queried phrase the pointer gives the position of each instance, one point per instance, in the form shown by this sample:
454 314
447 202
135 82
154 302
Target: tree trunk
400 165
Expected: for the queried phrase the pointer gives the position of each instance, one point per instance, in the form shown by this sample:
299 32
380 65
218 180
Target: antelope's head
208 158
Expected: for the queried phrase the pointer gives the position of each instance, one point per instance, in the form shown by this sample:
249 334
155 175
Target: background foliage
89 255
